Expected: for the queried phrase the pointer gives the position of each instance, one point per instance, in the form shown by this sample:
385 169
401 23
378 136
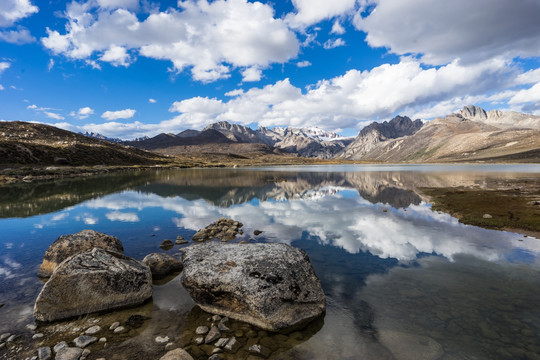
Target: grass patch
515 208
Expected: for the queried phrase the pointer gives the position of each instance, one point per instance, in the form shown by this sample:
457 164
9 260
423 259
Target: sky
132 68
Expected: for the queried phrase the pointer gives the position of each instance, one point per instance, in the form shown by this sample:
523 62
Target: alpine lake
402 281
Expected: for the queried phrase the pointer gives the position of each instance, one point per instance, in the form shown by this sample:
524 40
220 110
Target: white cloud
123 217
251 74
309 12
52 115
337 28
12 11
444 31
330 44
2 87
116 55
303 64
50 65
120 114
209 38
115 4
152 101
83 113
60 216
527 95
4 66
19 36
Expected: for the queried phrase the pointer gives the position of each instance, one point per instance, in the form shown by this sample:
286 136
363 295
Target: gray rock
69 245
96 280
102 340
161 339
215 357
232 346
93 330
272 286
199 340
60 345
12 338
223 327
221 342
162 265
31 327
176 354
4 336
37 336
69 353
114 325
84 340
212 335
85 353
167 245
201 330
119 329
44 353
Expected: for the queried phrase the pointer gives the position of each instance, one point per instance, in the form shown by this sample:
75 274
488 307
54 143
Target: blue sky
129 68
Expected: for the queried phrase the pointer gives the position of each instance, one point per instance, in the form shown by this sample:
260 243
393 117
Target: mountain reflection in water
401 280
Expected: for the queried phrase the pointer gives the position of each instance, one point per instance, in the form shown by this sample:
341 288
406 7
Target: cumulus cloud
120 114
303 64
82 113
337 28
309 12
4 65
251 74
210 39
19 36
152 101
334 43
444 31
123 217
531 95
12 11
115 4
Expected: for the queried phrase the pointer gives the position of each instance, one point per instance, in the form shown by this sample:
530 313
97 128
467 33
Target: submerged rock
69 245
272 286
96 280
167 245
162 265
223 229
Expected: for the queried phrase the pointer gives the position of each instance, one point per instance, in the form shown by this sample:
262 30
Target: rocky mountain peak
472 112
395 128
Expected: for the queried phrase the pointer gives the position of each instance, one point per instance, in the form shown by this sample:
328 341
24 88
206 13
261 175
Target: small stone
181 242
167 245
114 325
176 354
93 330
257 232
37 336
201 330
223 327
103 340
2 345
31 327
169 346
12 338
216 318
44 353
217 351
255 349
221 342
179 237
487 216
162 339
213 335
84 340
215 357
86 352
119 329
232 345
199 340
69 353
34 358
59 346
4 336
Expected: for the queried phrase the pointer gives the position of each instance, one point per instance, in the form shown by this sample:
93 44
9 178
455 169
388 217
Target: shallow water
402 281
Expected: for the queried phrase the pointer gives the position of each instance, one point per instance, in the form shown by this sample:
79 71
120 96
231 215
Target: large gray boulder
96 280
69 245
162 264
272 286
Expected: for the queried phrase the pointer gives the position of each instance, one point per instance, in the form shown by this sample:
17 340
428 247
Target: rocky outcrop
223 229
93 281
162 265
69 245
272 286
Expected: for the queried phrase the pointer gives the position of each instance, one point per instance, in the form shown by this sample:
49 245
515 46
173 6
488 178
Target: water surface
402 281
